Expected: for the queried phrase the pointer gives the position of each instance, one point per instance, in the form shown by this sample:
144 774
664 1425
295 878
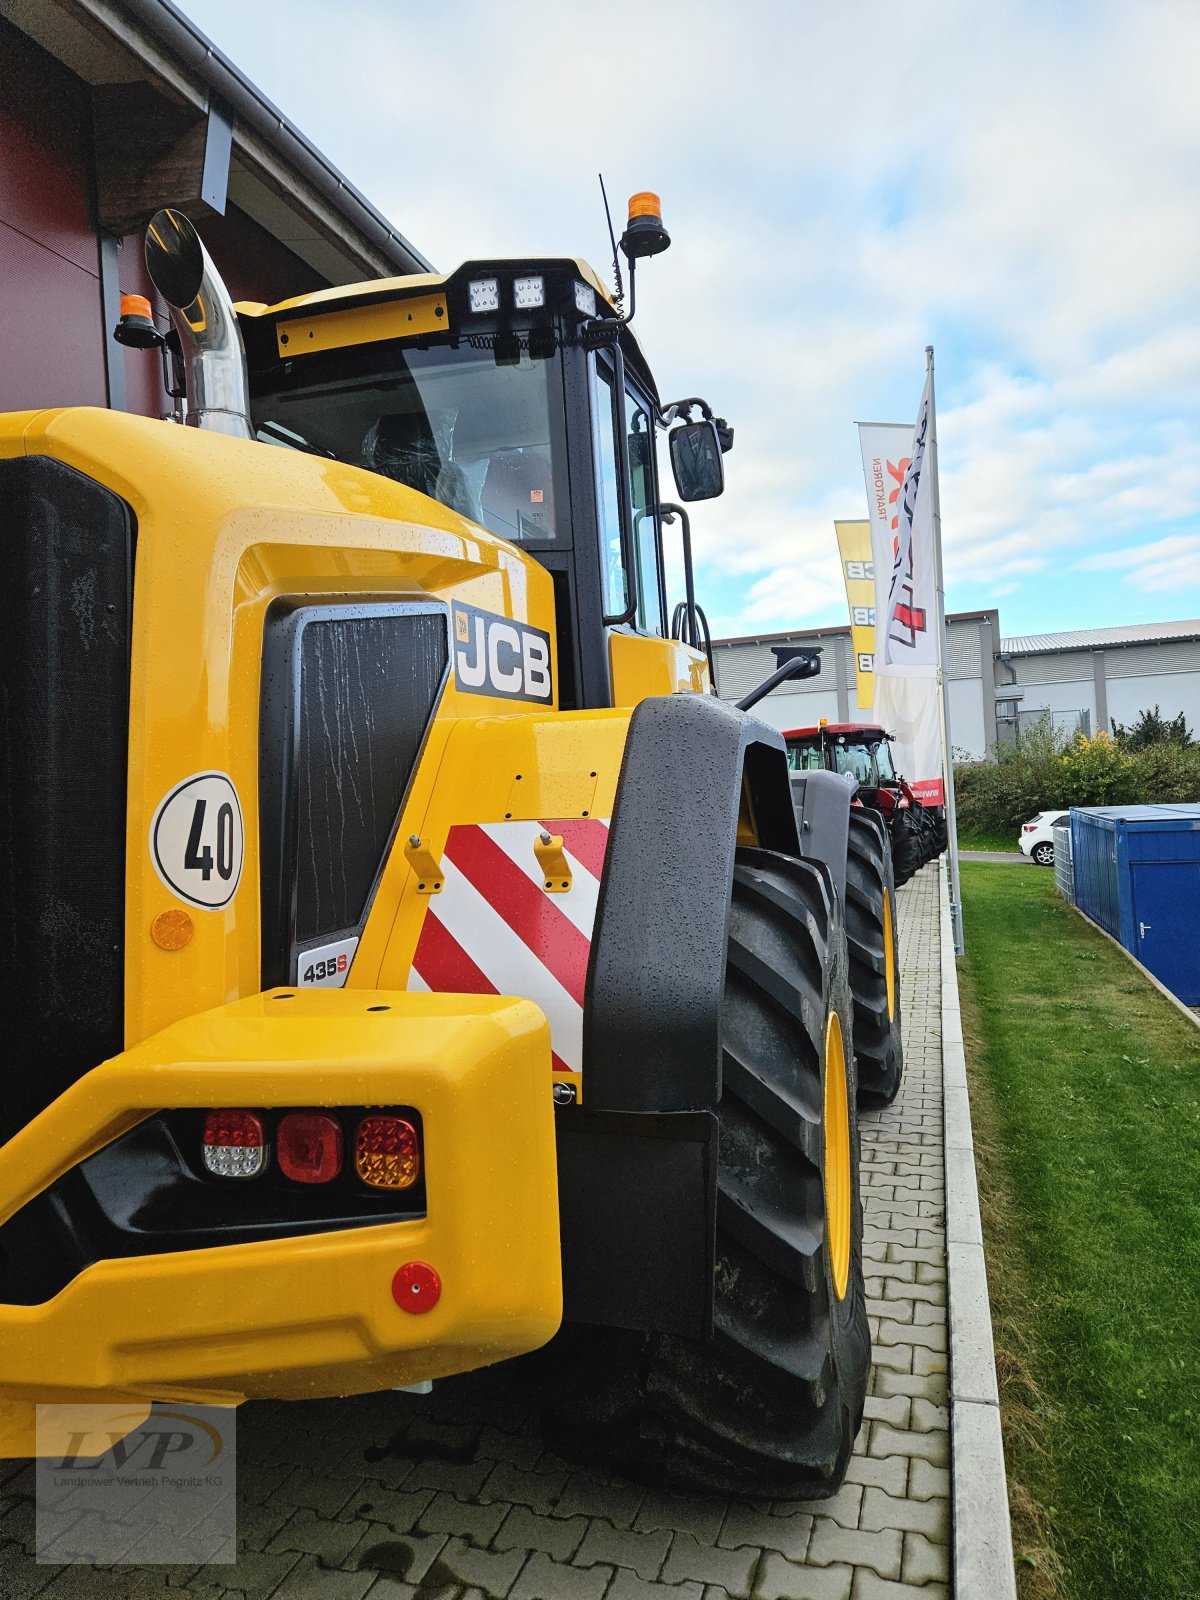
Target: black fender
637 1162
822 801
656 974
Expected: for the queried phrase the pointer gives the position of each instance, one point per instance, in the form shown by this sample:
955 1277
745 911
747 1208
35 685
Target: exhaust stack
214 357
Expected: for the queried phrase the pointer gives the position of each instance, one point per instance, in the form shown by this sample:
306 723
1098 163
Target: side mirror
696 460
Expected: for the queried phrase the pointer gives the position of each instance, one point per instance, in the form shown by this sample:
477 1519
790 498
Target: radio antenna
620 287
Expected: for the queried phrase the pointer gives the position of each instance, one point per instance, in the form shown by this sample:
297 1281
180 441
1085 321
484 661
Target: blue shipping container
1137 874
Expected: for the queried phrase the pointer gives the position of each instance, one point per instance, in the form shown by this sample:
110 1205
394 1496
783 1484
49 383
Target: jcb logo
494 655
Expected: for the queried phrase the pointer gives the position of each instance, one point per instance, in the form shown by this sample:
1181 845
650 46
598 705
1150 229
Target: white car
1037 836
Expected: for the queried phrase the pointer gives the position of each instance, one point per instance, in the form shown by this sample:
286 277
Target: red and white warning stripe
493 929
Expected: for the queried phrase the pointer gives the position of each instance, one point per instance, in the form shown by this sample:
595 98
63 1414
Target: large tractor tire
908 844
771 1404
874 963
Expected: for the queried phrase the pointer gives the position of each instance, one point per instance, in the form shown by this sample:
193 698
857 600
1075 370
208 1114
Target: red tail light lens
234 1146
386 1153
309 1147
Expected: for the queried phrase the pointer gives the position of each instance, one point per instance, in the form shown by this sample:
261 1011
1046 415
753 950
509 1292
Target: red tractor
862 751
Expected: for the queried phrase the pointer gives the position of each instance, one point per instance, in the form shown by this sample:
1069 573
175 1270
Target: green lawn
1086 1095
987 841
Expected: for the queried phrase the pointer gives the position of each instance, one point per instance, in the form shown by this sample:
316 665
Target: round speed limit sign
197 841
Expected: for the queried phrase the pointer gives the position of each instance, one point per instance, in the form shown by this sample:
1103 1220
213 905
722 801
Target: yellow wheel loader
405 950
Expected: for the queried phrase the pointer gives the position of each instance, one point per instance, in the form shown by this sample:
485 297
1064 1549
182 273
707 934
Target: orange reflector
416 1287
135 305
309 1147
644 204
172 930
386 1153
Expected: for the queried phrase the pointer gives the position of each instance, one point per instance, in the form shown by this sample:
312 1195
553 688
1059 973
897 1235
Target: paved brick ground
455 1496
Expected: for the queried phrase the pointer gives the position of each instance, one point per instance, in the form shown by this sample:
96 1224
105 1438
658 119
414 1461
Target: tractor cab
853 749
515 393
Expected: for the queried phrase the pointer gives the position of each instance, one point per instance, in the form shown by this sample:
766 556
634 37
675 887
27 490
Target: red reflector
386 1154
309 1147
416 1287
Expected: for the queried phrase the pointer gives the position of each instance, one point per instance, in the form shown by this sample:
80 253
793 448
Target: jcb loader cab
406 950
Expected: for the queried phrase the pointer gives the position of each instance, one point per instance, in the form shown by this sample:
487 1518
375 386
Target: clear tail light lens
386 1153
234 1145
308 1146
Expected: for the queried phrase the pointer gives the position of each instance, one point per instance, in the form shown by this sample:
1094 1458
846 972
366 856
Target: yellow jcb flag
858 569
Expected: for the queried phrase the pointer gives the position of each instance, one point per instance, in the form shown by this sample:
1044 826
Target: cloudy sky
1015 183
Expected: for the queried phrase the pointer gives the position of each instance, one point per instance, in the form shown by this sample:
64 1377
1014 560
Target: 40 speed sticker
197 841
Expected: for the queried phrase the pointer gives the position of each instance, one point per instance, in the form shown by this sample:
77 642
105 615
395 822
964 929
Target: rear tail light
386 1153
234 1146
309 1147
1029 827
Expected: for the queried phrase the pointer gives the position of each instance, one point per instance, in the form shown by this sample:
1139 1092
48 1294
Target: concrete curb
982 1556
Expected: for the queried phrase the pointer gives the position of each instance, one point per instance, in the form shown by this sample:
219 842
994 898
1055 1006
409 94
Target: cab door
643 659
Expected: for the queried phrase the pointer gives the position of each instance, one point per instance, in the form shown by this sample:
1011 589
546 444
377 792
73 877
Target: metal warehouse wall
1115 683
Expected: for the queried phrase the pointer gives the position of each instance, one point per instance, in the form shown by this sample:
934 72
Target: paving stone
699 1515
464 1478
617 1503
929 1386
559 1537
318 1536
518 1449
926 1361
869 1586
543 1579
628 1586
732 1569
408 1559
842 1508
490 1570
881 1551
397 1509
644 1553
744 1526
540 1491
477 1523
926 1561
928 1482
308 1578
892 1409
888 1441
930 1517
316 1492
889 1474
784 1580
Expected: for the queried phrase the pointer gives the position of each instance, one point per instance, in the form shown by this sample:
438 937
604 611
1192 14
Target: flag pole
947 747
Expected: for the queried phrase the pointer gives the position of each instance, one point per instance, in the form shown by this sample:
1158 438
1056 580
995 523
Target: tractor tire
908 844
771 1404
874 960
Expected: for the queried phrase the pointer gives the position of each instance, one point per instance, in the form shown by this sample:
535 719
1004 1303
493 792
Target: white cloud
1165 564
1014 183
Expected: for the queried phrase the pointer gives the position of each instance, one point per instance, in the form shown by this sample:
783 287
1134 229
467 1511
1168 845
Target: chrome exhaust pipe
214 358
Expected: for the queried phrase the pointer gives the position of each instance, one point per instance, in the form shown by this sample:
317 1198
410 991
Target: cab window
639 434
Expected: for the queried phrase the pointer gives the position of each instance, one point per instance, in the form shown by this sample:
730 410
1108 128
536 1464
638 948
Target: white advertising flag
885 456
908 641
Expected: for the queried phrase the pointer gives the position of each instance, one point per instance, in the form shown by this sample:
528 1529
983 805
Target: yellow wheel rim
837 1156
889 955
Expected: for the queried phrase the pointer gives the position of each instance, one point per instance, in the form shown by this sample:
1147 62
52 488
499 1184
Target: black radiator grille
348 691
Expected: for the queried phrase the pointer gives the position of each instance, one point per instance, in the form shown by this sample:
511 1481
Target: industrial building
1081 679
108 112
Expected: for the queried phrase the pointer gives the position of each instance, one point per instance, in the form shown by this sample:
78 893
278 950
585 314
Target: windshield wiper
295 440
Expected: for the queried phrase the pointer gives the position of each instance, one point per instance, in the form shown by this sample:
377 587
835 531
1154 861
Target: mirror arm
804 666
